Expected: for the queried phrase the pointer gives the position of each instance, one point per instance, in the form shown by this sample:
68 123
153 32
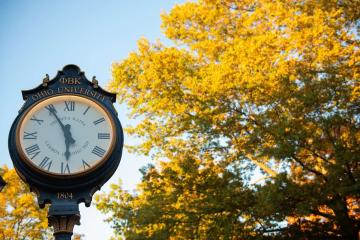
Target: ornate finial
46 80
95 82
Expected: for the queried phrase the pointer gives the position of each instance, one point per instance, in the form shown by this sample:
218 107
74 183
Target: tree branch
325 215
263 166
317 173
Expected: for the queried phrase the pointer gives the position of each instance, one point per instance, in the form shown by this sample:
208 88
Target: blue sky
39 37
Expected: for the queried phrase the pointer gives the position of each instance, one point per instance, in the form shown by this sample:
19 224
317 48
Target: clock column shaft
63 236
63 218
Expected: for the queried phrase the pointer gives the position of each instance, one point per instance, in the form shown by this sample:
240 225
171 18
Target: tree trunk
349 228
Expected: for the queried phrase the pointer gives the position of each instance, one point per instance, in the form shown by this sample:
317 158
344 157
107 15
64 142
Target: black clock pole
63 218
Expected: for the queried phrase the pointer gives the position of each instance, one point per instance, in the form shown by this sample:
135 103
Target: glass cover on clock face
65 135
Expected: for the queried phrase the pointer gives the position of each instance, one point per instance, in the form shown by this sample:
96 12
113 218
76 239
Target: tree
20 216
77 236
249 84
190 198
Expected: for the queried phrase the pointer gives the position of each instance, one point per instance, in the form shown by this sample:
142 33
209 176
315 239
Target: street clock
65 135
66 142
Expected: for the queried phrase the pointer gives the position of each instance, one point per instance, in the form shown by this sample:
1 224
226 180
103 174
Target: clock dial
66 135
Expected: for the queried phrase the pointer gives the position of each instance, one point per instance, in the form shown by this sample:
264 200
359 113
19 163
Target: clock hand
68 140
66 130
67 152
52 111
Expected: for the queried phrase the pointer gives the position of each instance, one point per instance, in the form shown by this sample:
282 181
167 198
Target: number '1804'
64 195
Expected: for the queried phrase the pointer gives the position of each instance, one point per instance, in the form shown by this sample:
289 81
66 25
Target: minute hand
52 110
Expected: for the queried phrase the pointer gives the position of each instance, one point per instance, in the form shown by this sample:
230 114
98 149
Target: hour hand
67 152
68 140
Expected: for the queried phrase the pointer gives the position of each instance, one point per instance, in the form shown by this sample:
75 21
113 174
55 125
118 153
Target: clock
66 141
65 135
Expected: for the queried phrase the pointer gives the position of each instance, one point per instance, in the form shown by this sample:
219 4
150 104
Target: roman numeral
30 135
87 109
85 164
98 151
32 150
45 163
65 168
39 121
51 108
69 106
103 135
99 121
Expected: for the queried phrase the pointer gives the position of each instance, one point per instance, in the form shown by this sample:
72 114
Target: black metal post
63 217
63 236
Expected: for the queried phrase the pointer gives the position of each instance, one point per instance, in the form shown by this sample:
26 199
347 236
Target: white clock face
66 135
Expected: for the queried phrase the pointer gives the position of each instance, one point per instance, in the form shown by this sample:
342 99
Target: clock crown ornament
66 142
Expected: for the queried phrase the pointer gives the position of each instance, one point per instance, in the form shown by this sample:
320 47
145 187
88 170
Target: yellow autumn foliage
20 216
268 85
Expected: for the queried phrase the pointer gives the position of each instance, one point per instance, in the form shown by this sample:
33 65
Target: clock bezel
99 163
